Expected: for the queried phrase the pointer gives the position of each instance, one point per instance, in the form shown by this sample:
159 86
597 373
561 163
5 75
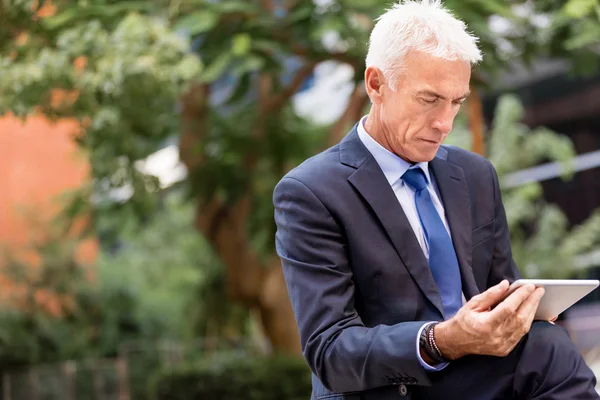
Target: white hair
425 26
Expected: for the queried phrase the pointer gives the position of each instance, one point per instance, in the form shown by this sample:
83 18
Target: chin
424 156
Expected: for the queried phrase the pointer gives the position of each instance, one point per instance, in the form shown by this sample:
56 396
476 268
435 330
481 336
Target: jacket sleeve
345 355
503 265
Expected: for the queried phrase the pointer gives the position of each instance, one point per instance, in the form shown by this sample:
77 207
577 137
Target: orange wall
39 161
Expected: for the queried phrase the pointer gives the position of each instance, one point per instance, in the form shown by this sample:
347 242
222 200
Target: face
413 120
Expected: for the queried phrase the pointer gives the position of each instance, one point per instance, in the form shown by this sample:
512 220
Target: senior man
396 250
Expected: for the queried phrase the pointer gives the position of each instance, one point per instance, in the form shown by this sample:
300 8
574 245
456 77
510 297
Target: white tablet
559 295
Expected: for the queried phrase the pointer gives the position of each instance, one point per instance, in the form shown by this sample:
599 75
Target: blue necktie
442 258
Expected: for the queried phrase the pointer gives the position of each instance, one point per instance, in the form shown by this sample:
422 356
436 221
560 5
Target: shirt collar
393 167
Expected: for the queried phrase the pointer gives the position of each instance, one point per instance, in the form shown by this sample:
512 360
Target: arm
478 328
503 265
344 354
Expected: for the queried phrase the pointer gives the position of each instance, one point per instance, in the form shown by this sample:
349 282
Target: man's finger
530 305
512 303
490 297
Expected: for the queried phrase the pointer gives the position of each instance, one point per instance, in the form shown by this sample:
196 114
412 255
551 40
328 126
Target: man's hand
479 329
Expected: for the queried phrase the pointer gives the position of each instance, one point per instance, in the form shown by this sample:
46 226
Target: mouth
431 141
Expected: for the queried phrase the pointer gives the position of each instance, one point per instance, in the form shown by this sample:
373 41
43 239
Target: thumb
490 297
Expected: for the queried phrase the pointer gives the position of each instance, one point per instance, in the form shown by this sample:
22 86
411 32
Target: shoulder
319 171
461 157
471 163
480 174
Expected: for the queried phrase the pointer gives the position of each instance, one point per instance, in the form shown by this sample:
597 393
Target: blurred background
140 142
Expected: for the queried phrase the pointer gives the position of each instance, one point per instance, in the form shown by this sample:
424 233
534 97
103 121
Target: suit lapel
455 198
371 183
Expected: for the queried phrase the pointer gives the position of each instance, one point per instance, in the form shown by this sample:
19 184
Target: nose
444 120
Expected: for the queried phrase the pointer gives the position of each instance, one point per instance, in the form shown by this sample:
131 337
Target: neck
375 129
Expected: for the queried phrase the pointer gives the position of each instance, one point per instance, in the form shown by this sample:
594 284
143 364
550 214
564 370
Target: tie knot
415 177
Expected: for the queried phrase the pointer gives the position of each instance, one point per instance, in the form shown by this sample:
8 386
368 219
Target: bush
250 378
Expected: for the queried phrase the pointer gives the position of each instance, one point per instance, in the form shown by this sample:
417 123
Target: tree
220 76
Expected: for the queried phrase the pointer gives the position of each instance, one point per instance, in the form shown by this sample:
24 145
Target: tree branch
355 62
224 225
265 86
278 100
268 5
475 115
316 57
356 105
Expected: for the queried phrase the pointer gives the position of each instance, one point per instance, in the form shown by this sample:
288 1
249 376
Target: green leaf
497 7
189 68
241 89
69 16
579 8
198 22
589 34
249 64
301 14
584 39
360 5
61 19
241 44
226 7
216 68
266 45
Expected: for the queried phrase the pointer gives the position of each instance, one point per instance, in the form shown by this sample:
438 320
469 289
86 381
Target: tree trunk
255 284
475 115
356 105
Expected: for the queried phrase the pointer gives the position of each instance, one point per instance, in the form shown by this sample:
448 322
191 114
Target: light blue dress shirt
393 168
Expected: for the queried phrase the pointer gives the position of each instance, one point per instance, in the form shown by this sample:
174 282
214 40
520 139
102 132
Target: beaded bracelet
437 356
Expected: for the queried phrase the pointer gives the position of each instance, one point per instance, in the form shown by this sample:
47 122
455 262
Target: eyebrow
439 96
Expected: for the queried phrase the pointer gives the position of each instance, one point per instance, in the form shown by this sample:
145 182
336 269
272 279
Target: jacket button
402 390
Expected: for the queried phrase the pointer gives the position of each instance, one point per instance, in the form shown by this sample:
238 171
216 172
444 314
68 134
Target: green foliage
51 382
543 244
123 93
144 291
157 259
573 32
138 64
236 378
139 61
28 333
17 16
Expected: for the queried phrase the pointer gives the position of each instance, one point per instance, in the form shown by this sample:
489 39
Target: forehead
449 77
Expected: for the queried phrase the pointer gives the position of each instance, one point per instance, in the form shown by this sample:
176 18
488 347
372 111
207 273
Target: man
396 250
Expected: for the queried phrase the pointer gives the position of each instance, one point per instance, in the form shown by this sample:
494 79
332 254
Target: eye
429 101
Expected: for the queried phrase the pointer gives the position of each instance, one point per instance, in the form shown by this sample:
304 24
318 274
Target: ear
374 82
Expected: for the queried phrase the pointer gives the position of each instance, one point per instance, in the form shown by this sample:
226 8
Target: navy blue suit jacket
359 283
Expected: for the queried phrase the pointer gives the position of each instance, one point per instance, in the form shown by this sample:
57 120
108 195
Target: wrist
428 348
424 350
444 339
425 356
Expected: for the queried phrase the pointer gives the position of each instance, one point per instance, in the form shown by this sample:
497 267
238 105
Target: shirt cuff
427 367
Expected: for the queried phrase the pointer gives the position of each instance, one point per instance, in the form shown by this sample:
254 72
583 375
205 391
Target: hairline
400 66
